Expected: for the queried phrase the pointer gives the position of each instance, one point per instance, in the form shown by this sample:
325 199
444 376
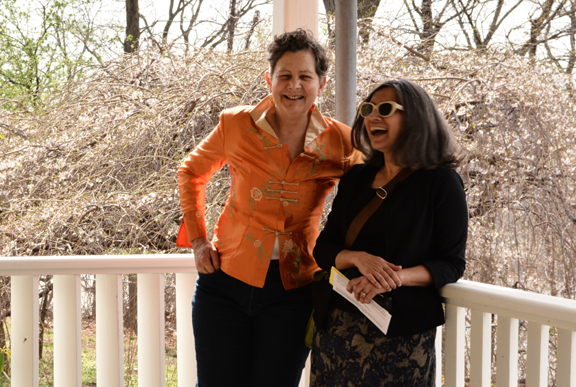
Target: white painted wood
546 310
438 345
507 352
24 332
511 304
537 365
185 283
480 349
98 264
151 341
566 362
291 14
109 331
67 331
455 346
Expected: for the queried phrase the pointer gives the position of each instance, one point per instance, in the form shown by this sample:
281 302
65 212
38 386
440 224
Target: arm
364 290
193 175
450 228
330 250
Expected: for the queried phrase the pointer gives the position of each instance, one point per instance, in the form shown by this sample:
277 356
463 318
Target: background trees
47 44
44 45
93 121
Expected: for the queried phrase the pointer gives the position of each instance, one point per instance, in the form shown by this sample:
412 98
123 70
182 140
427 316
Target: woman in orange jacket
252 298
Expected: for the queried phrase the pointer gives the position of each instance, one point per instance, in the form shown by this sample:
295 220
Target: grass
46 366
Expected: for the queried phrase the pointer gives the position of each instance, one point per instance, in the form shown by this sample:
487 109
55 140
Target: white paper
375 313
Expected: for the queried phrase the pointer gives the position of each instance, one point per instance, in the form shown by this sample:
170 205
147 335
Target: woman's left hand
364 291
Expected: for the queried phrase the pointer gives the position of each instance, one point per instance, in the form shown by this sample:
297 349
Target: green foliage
4 359
44 46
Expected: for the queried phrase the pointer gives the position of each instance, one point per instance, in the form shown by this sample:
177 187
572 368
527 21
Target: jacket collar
316 125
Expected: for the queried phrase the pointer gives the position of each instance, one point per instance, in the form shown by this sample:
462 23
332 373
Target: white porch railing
510 306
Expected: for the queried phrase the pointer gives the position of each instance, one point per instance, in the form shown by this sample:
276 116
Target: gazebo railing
511 306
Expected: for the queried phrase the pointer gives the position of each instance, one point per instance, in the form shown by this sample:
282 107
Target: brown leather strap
372 206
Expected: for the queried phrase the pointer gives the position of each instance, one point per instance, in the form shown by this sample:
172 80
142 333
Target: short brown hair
426 140
294 41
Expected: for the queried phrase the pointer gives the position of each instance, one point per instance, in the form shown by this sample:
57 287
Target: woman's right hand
381 273
205 255
378 271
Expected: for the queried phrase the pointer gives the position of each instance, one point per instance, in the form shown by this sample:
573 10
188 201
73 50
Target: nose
295 84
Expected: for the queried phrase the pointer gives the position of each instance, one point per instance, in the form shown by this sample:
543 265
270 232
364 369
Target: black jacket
424 220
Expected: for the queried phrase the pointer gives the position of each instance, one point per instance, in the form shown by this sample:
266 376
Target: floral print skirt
353 352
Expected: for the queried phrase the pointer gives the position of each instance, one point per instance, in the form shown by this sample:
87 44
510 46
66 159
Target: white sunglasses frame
395 106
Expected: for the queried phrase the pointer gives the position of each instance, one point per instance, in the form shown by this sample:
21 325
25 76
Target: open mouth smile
295 97
377 130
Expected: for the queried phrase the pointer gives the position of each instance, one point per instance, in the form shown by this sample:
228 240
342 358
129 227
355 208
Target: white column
537 365
566 362
67 331
24 336
438 347
480 349
454 355
507 352
185 339
109 331
289 15
151 341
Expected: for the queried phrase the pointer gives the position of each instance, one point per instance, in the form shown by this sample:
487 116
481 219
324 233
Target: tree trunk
330 6
255 22
232 25
366 12
572 33
132 26
537 25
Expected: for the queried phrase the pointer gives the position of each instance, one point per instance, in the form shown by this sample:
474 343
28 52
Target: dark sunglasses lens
365 109
385 109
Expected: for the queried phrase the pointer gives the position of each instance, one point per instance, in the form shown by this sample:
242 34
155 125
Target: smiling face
294 84
384 131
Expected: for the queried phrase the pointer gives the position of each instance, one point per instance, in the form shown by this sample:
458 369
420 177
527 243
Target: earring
312 108
271 101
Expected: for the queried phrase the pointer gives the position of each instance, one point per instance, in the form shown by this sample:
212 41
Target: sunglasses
384 109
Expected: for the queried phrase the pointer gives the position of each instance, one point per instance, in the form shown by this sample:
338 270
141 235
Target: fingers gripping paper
375 313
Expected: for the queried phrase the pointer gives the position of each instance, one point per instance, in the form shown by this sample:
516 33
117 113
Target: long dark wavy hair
425 141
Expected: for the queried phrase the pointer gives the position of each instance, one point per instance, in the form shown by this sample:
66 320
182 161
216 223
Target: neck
283 124
386 173
390 168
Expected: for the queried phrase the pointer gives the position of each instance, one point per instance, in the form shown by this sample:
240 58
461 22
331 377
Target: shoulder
439 175
236 113
338 127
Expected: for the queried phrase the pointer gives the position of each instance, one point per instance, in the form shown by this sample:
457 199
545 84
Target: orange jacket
269 196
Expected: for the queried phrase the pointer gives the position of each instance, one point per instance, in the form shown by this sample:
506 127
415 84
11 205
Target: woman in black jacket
411 245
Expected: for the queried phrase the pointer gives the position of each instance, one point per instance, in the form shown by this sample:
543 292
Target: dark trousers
247 336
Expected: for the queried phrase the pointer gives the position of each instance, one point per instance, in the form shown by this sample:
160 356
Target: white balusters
67 331
507 352
151 341
537 367
455 346
109 331
566 363
480 349
185 340
25 319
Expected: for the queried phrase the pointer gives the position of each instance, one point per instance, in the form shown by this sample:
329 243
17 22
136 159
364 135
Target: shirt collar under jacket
316 125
